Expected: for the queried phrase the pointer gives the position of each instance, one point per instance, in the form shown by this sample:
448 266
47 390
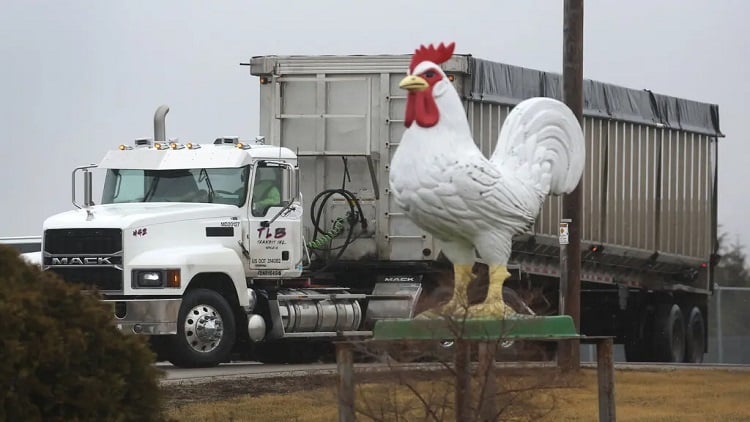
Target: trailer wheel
695 337
669 333
205 330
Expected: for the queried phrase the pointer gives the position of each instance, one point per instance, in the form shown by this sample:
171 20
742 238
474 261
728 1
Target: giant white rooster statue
468 203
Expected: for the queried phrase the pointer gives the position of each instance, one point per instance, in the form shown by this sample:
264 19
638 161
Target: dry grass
313 406
680 395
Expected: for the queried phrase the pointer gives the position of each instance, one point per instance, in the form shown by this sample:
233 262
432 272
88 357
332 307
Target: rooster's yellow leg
493 306
459 303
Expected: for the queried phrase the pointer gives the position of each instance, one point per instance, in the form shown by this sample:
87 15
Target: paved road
240 369
259 370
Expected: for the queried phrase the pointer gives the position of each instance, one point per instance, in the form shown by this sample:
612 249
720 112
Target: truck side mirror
290 185
289 191
87 189
87 186
293 184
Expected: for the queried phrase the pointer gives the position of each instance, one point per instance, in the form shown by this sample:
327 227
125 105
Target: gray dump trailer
649 217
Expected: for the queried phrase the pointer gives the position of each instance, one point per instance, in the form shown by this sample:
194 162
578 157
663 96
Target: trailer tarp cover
506 84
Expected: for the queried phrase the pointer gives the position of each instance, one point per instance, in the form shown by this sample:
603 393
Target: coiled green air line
336 230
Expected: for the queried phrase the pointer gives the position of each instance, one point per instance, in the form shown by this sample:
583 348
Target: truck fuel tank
306 310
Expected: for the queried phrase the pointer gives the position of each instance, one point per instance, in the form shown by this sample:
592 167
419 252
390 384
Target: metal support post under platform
486 334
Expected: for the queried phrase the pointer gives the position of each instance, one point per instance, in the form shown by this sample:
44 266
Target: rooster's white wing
469 196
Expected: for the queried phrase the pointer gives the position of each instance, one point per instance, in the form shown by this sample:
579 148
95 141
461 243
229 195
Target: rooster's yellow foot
453 309
499 310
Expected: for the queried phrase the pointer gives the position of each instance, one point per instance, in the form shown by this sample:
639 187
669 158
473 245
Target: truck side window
123 186
266 190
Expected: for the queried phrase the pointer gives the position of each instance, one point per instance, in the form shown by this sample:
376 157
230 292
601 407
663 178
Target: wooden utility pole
569 356
462 366
345 366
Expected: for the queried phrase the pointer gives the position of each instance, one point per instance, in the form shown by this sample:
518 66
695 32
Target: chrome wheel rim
204 328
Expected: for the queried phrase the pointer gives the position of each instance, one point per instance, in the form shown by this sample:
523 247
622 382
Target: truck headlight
156 278
148 278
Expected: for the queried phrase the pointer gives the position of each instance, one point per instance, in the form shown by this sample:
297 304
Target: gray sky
80 77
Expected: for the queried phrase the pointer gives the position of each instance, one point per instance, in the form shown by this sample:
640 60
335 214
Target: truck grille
83 241
92 257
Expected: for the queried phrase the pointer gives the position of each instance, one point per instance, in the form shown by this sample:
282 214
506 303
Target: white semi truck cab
201 247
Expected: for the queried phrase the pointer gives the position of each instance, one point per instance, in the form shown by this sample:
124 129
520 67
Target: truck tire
205 331
669 333
695 336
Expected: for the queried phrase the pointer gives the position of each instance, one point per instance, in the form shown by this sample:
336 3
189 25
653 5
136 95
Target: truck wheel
205 330
695 337
669 333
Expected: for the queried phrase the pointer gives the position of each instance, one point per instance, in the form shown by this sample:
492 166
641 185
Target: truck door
275 221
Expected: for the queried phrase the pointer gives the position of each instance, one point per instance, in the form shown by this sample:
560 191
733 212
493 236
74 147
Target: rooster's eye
429 74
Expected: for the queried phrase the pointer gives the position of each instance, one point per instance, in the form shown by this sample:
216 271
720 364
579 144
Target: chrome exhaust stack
160 131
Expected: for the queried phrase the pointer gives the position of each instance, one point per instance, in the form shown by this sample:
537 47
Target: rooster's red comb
438 55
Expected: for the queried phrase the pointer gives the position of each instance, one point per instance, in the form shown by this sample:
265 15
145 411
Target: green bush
61 358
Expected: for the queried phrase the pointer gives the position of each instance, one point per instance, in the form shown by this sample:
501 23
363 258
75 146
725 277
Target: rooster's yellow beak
413 83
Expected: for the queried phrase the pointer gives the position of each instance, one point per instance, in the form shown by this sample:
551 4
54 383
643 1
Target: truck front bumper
146 316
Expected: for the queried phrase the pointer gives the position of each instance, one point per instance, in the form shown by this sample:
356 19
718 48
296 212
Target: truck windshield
219 186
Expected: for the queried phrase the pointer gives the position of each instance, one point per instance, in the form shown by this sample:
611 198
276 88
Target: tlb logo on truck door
275 249
265 233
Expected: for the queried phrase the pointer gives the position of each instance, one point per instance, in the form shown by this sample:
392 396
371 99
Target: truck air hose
353 217
326 238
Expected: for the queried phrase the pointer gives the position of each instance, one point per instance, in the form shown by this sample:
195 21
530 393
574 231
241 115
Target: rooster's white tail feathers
542 142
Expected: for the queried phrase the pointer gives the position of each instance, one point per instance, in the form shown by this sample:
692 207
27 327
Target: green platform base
519 328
